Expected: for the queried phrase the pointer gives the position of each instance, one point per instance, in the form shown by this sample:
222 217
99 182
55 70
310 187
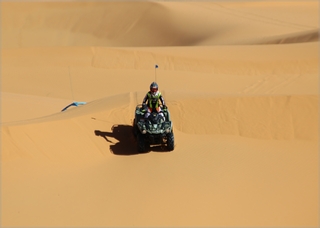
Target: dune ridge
309 36
240 80
263 117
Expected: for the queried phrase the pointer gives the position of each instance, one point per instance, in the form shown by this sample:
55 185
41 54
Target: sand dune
240 80
149 23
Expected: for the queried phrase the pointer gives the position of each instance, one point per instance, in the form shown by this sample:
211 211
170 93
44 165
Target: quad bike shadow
125 144
123 140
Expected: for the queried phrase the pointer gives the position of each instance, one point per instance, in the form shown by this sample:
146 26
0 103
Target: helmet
154 88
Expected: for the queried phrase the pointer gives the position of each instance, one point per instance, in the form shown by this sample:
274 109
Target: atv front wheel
142 144
170 141
135 128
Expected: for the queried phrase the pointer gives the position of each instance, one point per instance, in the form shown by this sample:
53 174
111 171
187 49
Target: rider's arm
162 100
145 99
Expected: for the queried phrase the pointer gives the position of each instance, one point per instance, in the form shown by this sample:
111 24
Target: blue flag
156 66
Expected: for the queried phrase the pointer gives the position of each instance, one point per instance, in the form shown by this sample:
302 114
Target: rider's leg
147 113
160 112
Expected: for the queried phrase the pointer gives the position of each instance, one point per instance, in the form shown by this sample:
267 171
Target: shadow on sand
126 144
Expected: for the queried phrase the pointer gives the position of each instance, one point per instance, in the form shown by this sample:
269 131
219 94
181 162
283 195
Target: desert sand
239 78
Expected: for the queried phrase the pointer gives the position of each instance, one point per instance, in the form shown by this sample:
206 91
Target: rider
153 97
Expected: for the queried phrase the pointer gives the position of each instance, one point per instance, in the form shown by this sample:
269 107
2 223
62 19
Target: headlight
144 131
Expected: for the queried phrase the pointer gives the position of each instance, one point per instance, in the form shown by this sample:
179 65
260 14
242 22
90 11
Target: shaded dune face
258 117
301 37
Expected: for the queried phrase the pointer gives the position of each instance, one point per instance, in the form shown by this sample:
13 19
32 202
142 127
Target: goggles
154 89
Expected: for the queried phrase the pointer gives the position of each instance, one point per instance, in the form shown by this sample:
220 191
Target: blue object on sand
77 103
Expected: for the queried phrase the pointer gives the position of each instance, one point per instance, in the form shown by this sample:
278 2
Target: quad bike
155 130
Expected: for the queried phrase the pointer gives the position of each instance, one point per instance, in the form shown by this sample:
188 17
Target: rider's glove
164 107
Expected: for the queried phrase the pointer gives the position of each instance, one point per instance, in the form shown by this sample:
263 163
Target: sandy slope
240 80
